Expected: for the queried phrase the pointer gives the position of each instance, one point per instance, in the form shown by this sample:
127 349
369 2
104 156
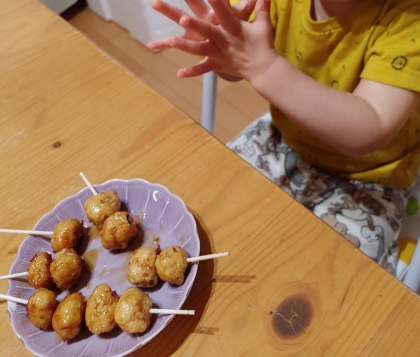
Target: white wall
138 17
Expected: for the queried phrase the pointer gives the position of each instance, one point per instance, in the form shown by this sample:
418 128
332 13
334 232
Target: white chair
208 110
412 277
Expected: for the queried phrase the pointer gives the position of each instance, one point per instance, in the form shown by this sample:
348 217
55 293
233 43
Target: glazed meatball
40 308
67 234
132 313
118 230
100 309
171 264
39 275
66 268
141 268
68 316
99 207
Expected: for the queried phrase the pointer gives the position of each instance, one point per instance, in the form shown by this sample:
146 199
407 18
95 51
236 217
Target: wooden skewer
172 312
24 231
14 299
206 257
88 183
11 276
152 311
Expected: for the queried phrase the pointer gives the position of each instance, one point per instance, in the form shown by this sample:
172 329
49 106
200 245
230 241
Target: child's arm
352 123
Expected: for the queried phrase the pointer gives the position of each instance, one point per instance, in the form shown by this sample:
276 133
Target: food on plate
67 234
141 268
68 316
100 307
118 231
171 264
99 207
132 313
100 266
39 275
40 308
66 268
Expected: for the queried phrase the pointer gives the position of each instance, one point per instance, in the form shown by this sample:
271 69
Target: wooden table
66 107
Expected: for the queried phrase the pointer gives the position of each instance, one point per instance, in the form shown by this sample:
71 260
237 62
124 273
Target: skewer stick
152 311
88 183
14 299
11 276
172 312
208 256
24 231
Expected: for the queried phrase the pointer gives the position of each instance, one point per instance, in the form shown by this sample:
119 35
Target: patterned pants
366 214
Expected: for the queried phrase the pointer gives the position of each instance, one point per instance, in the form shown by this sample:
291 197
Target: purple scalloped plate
164 219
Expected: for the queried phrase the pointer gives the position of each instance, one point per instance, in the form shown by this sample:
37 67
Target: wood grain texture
291 286
237 103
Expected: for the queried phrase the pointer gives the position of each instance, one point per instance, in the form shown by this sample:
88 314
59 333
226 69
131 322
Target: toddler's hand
234 47
242 10
201 10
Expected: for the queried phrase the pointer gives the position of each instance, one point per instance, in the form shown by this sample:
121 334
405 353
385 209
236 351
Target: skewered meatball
132 313
118 230
39 270
100 309
171 264
141 268
99 207
68 316
40 308
66 268
67 234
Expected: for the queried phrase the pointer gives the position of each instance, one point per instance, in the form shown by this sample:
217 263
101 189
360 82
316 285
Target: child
343 81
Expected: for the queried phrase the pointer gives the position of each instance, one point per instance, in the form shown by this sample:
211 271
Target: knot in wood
292 317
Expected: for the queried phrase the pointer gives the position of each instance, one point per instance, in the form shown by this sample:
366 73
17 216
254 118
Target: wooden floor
237 103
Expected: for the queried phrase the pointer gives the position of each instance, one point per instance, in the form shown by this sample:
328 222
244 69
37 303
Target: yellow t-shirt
379 41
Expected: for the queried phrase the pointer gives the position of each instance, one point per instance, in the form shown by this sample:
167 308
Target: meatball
66 268
100 309
118 230
39 275
171 264
40 308
141 268
67 234
68 316
99 207
132 313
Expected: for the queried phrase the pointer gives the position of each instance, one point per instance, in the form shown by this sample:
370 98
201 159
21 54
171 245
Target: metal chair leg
208 110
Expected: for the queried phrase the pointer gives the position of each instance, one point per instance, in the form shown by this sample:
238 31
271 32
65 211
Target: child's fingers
206 65
198 7
169 11
263 6
201 10
158 45
192 47
243 9
206 30
262 15
226 16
